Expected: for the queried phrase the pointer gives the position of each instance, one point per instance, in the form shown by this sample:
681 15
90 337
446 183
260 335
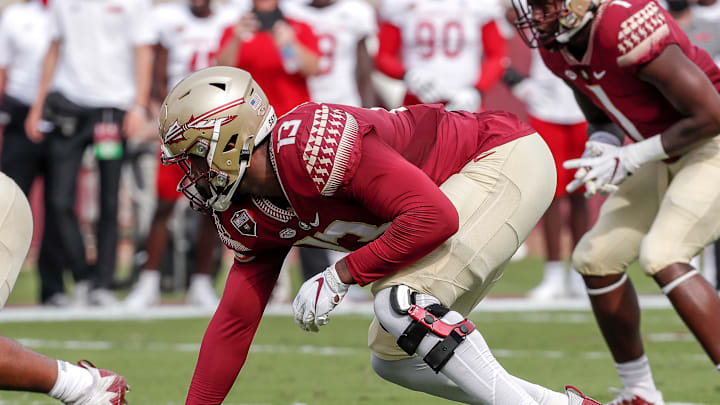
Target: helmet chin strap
221 202
564 37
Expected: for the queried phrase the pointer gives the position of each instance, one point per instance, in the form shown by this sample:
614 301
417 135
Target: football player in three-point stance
431 204
22 369
636 74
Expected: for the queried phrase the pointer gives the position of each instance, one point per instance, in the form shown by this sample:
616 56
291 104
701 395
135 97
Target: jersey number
327 45
452 39
339 229
287 132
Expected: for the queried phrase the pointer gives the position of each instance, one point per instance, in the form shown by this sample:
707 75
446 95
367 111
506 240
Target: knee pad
412 317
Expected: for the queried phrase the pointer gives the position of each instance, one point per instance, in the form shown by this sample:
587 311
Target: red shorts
565 142
166 181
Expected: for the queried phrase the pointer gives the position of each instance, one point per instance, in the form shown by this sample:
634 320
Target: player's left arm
391 187
494 58
363 77
690 91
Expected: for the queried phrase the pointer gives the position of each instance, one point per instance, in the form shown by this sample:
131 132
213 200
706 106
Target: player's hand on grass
317 297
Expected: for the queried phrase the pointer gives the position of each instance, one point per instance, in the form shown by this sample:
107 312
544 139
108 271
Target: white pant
16 227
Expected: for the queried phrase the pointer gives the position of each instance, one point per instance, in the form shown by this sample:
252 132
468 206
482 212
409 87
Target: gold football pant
500 196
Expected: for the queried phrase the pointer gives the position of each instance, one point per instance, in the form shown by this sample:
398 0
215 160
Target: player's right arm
227 339
34 116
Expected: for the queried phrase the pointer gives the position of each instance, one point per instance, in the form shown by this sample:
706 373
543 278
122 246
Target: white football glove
422 83
467 99
610 164
594 148
317 297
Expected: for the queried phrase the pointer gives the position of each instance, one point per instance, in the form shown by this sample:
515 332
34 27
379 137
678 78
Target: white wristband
645 151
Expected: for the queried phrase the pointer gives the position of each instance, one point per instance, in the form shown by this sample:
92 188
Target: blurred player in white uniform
342 27
23 369
445 51
188 38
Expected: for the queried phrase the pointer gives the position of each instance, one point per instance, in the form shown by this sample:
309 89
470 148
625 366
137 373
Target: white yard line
44 314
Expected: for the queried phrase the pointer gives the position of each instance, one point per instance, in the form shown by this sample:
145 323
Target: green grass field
288 366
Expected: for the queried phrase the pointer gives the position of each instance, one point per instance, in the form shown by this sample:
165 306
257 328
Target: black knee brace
426 320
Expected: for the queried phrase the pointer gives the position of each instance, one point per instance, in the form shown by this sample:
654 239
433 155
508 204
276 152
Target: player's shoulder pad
631 28
326 144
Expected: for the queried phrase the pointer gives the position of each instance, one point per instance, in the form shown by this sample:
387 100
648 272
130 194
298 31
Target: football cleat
108 388
626 398
575 397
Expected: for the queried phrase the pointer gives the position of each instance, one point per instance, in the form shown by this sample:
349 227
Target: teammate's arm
690 91
363 72
160 75
227 339
391 187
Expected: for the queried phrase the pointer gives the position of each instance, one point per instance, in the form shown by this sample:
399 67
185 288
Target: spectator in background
26 370
23 41
98 67
705 33
445 51
554 113
188 37
280 53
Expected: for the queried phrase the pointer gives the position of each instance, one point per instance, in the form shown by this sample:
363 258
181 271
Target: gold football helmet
218 114
536 20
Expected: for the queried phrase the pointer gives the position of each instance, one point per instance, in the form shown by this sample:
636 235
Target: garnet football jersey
191 42
339 27
443 37
625 35
356 180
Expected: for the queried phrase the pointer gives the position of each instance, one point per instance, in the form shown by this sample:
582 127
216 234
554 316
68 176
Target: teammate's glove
317 297
467 99
423 84
612 164
593 148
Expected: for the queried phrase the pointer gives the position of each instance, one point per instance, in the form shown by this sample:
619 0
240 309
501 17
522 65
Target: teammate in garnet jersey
430 204
635 73
445 51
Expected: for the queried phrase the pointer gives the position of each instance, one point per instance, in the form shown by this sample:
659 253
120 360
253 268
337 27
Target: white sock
554 270
718 367
542 395
637 378
71 383
201 278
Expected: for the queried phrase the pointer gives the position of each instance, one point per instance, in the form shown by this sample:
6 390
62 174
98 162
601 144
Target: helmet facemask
551 23
210 138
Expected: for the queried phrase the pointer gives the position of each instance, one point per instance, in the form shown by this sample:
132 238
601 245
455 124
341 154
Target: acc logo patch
288 233
244 223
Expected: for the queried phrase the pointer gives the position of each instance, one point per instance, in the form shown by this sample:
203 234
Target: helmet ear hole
230 145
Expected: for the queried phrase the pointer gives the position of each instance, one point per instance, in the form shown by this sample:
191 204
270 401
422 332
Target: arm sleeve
422 216
227 339
388 58
495 54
